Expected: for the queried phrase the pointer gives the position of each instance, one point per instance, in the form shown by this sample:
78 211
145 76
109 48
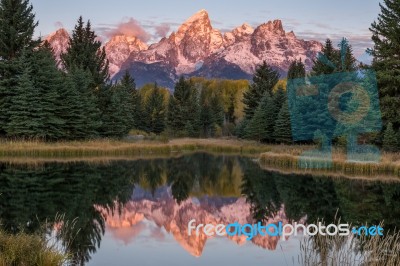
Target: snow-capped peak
119 48
199 23
59 42
196 48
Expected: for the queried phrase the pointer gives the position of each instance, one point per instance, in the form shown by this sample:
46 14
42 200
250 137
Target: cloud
58 24
130 27
162 30
360 42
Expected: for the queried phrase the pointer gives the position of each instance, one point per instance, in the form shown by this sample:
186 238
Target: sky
151 20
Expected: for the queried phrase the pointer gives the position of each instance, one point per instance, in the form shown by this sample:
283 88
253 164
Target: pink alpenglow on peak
198 49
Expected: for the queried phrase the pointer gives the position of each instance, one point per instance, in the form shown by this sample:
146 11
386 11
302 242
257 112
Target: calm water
136 212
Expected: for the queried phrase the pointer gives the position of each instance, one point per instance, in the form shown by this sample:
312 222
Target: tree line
41 98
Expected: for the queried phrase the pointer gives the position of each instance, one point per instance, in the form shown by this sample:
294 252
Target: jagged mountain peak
59 41
198 24
243 30
199 15
238 34
118 49
60 33
134 42
274 26
291 35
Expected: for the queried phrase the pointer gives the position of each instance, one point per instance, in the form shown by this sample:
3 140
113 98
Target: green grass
28 250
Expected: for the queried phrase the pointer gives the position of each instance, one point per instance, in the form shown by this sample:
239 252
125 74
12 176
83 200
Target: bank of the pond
284 158
126 149
388 167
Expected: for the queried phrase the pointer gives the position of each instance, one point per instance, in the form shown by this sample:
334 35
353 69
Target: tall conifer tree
386 61
282 129
261 126
85 52
183 110
264 80
17 26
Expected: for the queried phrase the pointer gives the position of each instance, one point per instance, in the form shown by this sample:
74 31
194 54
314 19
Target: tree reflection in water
87 193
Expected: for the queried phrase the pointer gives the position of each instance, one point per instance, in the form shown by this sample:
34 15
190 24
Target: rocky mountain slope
197 49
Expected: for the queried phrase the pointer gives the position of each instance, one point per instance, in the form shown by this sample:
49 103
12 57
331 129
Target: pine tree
230 115
9 82
386 62
261 126
82 79
390 139
135 101
183 109
282 129
264 80
347 61
240 129
326 61
74 115
47 81
116 112
24 121
206 115
17 26
206 119
217 110
85 52
279 99
296 70
326 75
155 112
332 60
138 105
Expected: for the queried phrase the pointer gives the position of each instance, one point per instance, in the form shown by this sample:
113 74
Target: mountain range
198 49
161 209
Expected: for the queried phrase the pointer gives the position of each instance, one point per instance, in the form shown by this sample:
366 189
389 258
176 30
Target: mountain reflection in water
123 200
162 210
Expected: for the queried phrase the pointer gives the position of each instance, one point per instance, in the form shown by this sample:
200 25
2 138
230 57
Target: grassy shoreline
388 168
283 158
113 148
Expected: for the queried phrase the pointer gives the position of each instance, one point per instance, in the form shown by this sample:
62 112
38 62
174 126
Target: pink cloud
162 30
58 24
131 27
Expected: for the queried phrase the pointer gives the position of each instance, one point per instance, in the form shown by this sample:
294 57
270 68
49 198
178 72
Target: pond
137 212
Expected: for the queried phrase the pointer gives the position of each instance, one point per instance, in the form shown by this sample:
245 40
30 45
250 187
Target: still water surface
136 212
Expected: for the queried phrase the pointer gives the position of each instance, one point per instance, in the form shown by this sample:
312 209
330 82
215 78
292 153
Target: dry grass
104 148
279 157
28 250
340 250
287 158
